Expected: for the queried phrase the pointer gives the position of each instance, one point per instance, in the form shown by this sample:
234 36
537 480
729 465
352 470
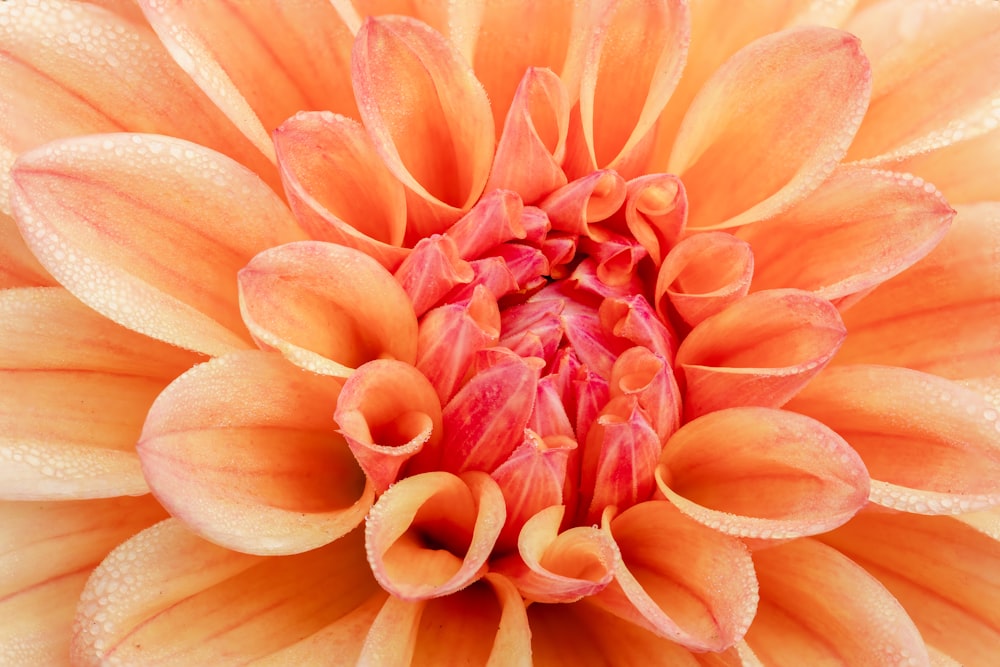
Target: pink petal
633 319
494 220
242 449
156 258
817 606
798 125
759 351
431 534
592 198
931 445
326 308
656 212
763 474
645 376
431 271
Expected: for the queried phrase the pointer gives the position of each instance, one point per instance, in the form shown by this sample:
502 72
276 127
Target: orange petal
647 377
941 316
149 231
431 271
591 198
242 449
633 319
48 551
818 607
338 186
18 267
778 137
931 445
167 596
430 535
962 171
945 574
762 473
656 212
679 579
260 63
860 228
759 351
428 117
327 308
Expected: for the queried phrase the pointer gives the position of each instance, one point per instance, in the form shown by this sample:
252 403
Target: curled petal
932 446
494 220
242 450
96 213
633 319
644 375
431 271
656 212
326 308
489 273
593 197
759 351
800 123
762 473
817 605
702 275
387 411
431 534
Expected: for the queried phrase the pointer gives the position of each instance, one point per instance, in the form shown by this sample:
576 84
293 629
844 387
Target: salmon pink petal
763 474
431 534
494 629
428 116
656 212
166 596
633 319
431 271
678 579
593 197
934 80
48 551
860 228
932 446
759 351
952 295
962 171
103 216
817 606
260 62
327 308
946 575
702 275
18 267
387 412
242 449
800 125
338 187
494 220
646 377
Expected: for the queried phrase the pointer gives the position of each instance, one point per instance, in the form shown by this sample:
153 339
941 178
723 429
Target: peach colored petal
860 228
702 275
47 551
484 624
326 308
656 212
18 267
762 473
952 295
494 220
387 411
102 214
759 351
260 62
934 79
338 187
167 596
931 445
573 207
243 450
678 579
442 152
431 534
963 171
431 271
818 607
779 136
645 376
945 574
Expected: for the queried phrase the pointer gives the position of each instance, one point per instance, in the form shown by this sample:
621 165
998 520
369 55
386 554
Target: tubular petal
952 295
260 62
759 351
932 445
633 319
103 215
817 606
48 551
678 579
800 123
326 308
431 271
494 220
243 451
860 228
167 596
431 534
945 574
656 212
647 377
763 474
588 199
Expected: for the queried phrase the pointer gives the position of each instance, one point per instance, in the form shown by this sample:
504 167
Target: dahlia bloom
560 333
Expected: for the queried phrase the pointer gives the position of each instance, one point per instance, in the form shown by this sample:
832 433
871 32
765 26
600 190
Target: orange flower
613 332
